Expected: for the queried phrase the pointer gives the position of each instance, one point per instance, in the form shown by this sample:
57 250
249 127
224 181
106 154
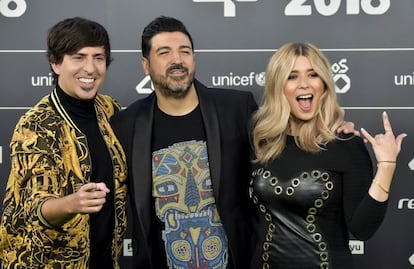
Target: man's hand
90 198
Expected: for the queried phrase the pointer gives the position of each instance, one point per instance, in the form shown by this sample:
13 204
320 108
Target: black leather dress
308 203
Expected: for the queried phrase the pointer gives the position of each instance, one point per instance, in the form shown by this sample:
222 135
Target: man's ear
145 65
55 67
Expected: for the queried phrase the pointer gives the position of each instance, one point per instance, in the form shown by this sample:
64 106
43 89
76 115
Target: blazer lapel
211 123
141 161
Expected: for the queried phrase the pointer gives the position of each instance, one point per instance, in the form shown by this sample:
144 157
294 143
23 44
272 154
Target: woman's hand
386 146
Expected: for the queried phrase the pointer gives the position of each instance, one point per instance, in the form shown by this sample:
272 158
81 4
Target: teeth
305 96
86 80
201 214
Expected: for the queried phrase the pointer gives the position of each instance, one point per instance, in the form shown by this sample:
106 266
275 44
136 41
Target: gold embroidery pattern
49 158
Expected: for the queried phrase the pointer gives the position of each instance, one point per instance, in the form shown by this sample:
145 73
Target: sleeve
363 214
35 173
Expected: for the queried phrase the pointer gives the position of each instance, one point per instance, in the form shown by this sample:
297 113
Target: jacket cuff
40 216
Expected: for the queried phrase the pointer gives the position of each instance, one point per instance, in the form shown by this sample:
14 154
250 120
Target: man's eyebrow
163 47
168 47
185 47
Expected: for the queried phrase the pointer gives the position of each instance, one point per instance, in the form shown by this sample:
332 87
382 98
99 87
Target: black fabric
309 203
102 224
168 130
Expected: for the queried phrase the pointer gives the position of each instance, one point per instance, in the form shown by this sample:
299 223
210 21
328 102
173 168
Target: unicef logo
339 76
341 79
12 8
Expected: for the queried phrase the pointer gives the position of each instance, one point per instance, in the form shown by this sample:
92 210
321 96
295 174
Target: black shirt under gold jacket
50 159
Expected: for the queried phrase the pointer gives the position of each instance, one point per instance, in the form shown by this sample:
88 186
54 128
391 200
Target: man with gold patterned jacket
65 199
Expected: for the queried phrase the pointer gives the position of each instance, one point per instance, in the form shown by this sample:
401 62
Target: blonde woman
312 186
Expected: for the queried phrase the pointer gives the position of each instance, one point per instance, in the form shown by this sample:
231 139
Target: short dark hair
71 34
160 25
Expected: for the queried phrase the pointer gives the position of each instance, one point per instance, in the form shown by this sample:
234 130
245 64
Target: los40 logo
329 8
12 8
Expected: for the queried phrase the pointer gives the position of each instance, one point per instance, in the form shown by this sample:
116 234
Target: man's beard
170 90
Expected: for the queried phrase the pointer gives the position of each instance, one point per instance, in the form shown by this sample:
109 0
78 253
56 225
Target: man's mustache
177 67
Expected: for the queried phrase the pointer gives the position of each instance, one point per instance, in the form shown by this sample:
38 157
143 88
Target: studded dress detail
308 203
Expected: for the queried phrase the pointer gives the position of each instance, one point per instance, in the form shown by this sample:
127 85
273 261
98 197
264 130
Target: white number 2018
353 7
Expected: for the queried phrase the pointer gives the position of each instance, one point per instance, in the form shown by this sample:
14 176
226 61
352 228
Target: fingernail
385 113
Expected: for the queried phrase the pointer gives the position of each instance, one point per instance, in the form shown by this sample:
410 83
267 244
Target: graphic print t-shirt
192 232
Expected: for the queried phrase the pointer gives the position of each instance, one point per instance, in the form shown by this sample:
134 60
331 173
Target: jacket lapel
141 161
211 124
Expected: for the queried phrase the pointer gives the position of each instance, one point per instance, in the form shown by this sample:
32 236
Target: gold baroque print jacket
50 159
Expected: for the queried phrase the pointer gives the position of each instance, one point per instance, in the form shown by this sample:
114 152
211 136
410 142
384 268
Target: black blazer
226 114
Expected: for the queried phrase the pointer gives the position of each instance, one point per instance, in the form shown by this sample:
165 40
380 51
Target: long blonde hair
273 119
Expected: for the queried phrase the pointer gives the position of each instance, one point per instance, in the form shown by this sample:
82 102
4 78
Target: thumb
88 187
102 187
